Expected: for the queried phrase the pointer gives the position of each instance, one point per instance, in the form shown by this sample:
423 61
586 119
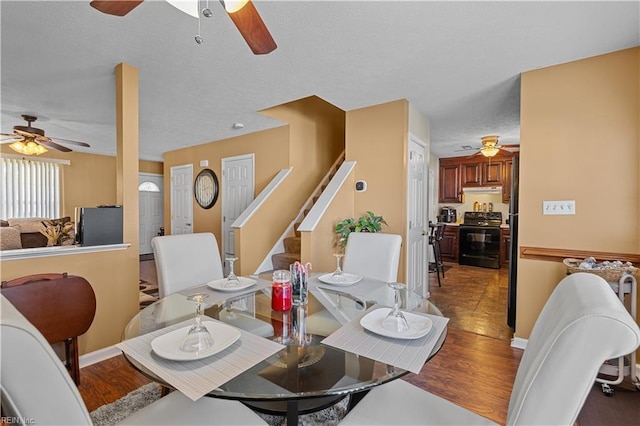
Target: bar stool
436 235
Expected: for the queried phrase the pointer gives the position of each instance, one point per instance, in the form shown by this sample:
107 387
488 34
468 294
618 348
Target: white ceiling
456 62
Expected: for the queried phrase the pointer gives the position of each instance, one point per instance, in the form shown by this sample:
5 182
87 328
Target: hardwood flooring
474 299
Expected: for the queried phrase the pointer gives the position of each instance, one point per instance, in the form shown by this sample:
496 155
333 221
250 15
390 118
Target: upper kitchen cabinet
465 172
450 190
481 173
506 181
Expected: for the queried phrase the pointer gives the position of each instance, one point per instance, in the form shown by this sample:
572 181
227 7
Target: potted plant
365 223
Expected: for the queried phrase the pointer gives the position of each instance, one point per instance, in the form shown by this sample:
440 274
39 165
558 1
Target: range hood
482 190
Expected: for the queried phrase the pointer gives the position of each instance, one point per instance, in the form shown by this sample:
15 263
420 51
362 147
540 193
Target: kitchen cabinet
449 183
507 181
492 173
449 243
505 246
481 174
471 174
464 172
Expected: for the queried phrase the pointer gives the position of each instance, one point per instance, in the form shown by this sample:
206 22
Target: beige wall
310 143
377 139
580 133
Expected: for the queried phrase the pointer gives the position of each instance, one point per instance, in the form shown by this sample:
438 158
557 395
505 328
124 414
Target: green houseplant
365 223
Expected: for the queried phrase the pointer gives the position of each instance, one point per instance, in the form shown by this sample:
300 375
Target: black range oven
480 239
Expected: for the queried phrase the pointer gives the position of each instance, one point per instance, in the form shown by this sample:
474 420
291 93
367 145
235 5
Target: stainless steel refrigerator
513 248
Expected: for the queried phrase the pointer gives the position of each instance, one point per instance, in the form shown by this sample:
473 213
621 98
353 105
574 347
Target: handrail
317 211
261 198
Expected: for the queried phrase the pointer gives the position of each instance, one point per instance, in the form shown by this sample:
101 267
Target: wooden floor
474 299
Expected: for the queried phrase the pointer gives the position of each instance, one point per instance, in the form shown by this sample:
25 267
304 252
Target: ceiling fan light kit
28 147
489 151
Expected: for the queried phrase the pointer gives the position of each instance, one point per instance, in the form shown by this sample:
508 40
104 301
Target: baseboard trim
519 343
99 356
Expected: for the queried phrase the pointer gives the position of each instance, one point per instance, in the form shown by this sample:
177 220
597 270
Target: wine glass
198 337
395 320
338 275
232 279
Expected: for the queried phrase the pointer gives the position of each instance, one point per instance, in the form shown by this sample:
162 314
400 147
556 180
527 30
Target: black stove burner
482 218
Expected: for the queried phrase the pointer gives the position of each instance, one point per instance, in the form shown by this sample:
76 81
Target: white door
181 202
237 194
150 195
417 213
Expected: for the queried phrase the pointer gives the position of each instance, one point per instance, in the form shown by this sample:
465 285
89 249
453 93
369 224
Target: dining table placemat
199 377
408 354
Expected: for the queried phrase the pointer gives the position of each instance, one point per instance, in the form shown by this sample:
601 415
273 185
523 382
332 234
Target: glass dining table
306 375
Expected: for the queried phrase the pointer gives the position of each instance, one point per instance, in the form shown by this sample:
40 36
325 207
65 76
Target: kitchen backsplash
469 199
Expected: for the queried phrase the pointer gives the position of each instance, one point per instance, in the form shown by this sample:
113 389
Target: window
30 188
148 187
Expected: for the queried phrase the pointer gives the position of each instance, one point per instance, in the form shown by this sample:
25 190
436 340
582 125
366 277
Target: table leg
292 413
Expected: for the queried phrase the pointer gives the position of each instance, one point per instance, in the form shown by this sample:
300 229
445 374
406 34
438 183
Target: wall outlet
559 207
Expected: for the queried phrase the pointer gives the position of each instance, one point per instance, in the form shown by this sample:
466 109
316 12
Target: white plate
419 325
244 283
348 279
168 345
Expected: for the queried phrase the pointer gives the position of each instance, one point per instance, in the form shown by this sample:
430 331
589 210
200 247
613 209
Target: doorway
237 193
416 217
181 203
150 197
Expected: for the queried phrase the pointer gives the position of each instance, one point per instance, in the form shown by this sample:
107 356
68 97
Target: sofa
26 232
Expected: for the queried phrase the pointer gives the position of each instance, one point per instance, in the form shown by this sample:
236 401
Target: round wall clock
205 188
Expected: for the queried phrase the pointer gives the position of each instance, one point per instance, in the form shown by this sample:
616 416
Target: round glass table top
305 368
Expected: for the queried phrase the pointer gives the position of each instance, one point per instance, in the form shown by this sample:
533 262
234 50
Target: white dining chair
37 388
186 260
373 255
582 325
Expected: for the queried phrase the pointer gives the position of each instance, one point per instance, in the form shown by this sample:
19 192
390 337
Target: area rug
148 293
110 414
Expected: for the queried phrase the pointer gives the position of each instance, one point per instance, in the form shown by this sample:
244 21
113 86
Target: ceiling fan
242 12
490 147
29 140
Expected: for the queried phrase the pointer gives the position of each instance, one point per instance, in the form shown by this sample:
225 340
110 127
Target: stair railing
278 247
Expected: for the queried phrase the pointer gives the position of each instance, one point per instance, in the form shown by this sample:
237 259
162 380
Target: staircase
293 244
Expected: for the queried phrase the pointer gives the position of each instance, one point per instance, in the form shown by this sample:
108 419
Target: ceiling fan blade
253 29
65 141
115 7
475 155
45 141
10 137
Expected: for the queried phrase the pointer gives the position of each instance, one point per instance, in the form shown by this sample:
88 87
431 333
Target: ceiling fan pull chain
198 38
206 12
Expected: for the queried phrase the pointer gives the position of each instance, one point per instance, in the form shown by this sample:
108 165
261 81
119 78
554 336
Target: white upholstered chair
36 387
373 255
186 260
582 325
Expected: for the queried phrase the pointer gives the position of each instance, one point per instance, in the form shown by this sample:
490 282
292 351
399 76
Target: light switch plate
559 207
